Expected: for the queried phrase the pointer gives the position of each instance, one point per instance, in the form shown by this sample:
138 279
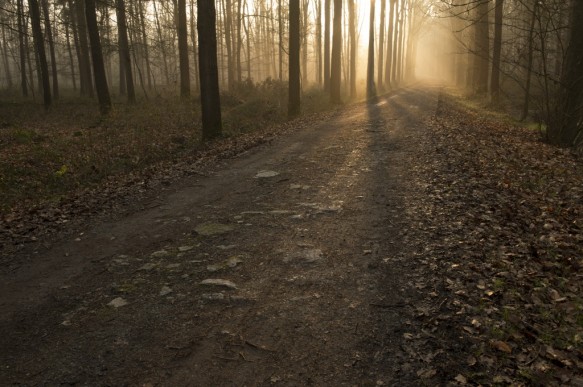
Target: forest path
312 232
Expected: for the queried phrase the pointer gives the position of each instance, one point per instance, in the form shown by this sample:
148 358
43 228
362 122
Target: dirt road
292 264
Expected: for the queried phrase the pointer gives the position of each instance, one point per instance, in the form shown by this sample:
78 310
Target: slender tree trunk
336 63
495 78
22 47
162 44
380 70
390 43
305 47
70 52
97 58
209 76
49 35
124 50
183 51
145 43
6 56
84 60
370 86
194 46
482 49
396 39
353 46
525 106
240 40
327 45
319 64
294 58
40 49
229 43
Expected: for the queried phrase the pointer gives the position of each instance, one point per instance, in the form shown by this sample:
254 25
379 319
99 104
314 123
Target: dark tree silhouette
39 44
294 58
209 74
97 58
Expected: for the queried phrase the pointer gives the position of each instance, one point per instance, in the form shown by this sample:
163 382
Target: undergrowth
45 155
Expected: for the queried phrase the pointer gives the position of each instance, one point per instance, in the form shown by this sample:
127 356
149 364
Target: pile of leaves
502 217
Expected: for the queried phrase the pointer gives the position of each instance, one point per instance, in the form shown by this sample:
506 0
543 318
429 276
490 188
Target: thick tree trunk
327 45
40 49
294 58
183 51
336 63
495 78
124 50
97 58
49 35
370 86
568 130
209 75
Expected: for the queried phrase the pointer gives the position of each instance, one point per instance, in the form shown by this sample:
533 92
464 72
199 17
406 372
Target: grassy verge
46 155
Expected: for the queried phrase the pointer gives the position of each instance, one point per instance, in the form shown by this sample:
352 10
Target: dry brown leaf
501 346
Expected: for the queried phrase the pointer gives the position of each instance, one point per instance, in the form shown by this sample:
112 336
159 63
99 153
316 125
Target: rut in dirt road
285 266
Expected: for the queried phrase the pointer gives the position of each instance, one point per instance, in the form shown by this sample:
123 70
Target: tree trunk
145 43
162 44
305 47
70 53
390 41
194 46
495 78
84 60
370 87
209 75
22 47
40 49
525 106
319 65
336 63
353 46
229 43
5 56
97 58
49 34
124 50
380 81
183 51
294 58
240 40
568 130
327 45
482 47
